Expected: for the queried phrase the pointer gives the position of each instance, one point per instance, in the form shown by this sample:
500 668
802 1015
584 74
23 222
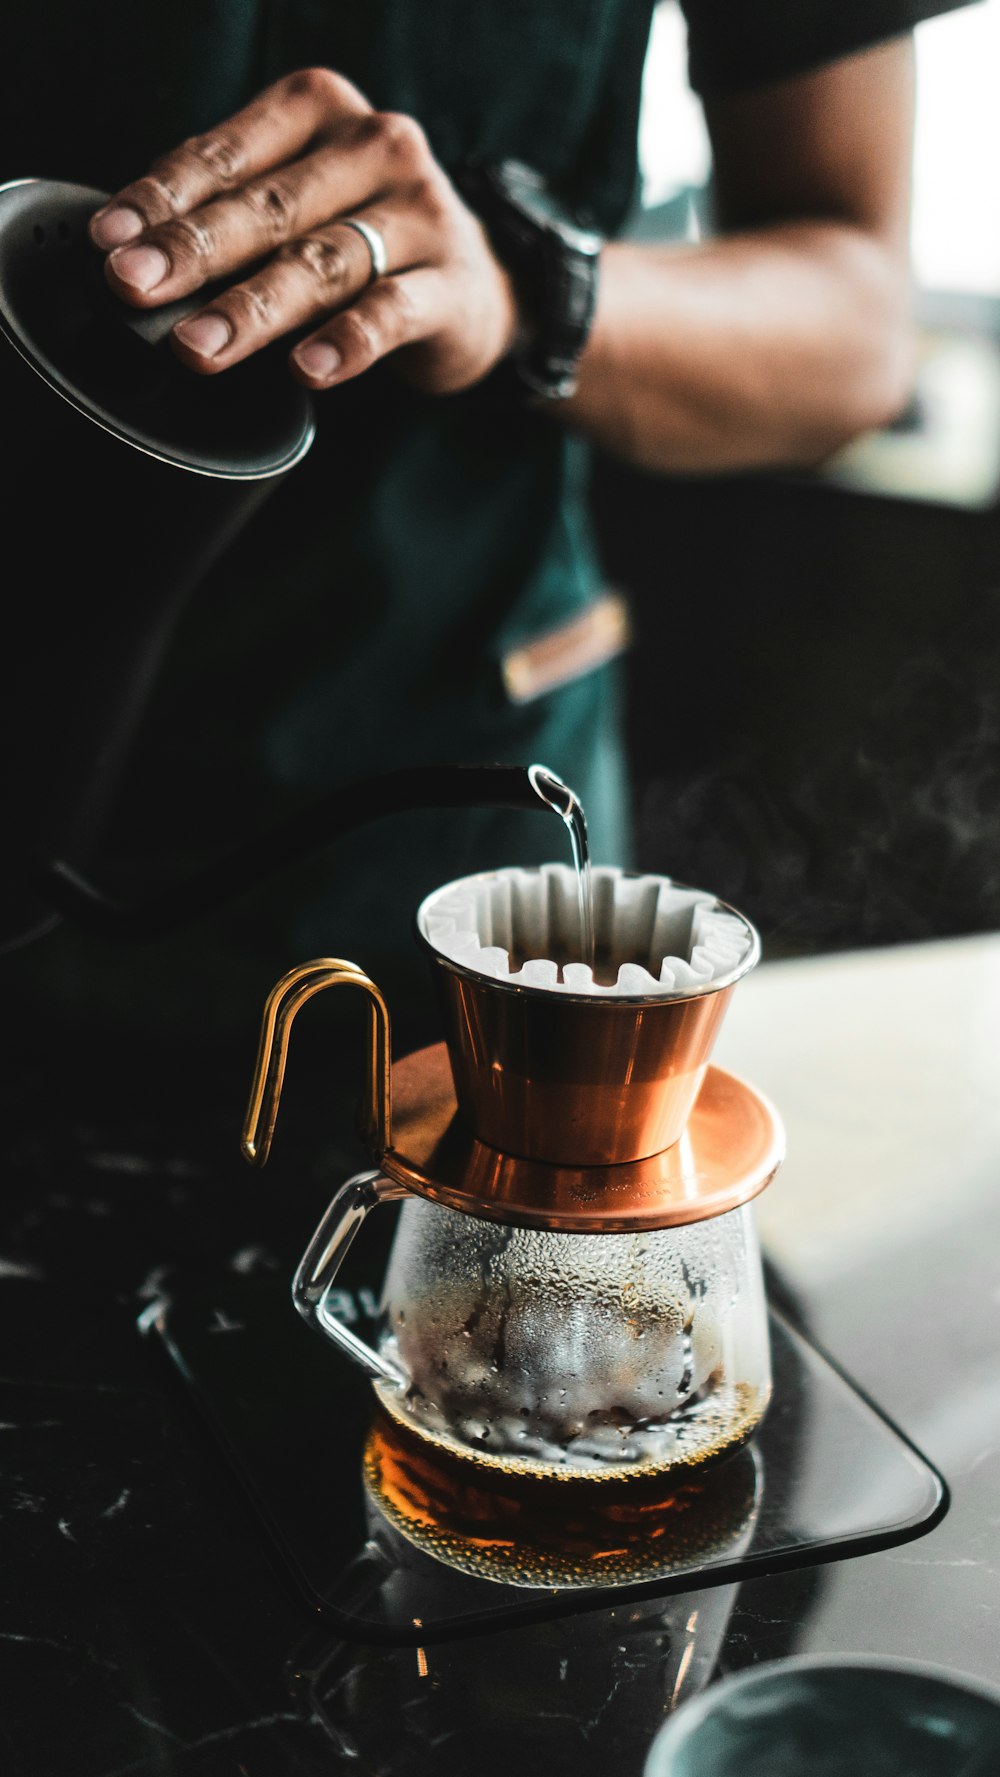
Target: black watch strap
553 262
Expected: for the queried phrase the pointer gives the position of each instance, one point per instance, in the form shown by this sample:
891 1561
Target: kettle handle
285 999
323 1258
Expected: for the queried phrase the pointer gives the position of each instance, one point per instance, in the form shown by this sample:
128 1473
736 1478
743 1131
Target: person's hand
264 200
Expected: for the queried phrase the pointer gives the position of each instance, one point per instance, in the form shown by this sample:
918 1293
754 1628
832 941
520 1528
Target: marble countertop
143 1625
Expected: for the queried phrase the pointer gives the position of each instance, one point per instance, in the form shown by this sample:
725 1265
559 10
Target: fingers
276 126
360 157
305 279
396 311
268 199
230 233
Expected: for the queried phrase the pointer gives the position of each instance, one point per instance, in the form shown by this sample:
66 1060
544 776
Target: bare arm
790 332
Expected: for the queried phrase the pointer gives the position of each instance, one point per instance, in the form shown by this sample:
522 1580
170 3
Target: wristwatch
552 260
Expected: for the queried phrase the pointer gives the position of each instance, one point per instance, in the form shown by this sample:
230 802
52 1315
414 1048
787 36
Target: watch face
526 188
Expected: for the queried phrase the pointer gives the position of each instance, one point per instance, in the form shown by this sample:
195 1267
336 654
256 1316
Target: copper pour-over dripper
553 1111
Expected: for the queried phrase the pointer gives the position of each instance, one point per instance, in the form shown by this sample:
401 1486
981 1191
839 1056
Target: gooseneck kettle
126 476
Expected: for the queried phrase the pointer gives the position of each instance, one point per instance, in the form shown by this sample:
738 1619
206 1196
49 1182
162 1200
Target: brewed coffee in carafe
556 1354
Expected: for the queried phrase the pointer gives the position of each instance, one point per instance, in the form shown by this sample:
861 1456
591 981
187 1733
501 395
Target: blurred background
815 679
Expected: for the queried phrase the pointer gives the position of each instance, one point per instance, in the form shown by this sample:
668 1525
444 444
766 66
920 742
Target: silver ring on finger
375 243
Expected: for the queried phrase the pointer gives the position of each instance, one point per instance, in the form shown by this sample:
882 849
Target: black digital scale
826 1476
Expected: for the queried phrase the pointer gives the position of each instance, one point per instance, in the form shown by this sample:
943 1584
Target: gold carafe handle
284 1000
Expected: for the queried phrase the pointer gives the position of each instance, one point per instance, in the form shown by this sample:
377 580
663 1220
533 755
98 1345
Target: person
307 167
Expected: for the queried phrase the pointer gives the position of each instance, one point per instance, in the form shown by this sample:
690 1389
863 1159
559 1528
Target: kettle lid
113 364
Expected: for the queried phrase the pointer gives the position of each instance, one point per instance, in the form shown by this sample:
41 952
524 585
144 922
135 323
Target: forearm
767 348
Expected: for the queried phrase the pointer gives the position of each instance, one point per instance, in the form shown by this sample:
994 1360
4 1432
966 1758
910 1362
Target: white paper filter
653 937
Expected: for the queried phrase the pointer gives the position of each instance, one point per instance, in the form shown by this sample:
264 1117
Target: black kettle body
126 477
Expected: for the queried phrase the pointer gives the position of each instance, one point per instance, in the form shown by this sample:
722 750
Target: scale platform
349 1508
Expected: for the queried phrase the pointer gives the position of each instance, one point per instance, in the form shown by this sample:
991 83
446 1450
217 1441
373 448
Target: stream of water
557 795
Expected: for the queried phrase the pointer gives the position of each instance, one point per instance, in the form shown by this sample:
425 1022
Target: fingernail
112 228
204 334
142 267
318 360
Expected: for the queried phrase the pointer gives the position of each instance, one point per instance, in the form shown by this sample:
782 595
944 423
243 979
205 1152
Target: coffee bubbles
567 1354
